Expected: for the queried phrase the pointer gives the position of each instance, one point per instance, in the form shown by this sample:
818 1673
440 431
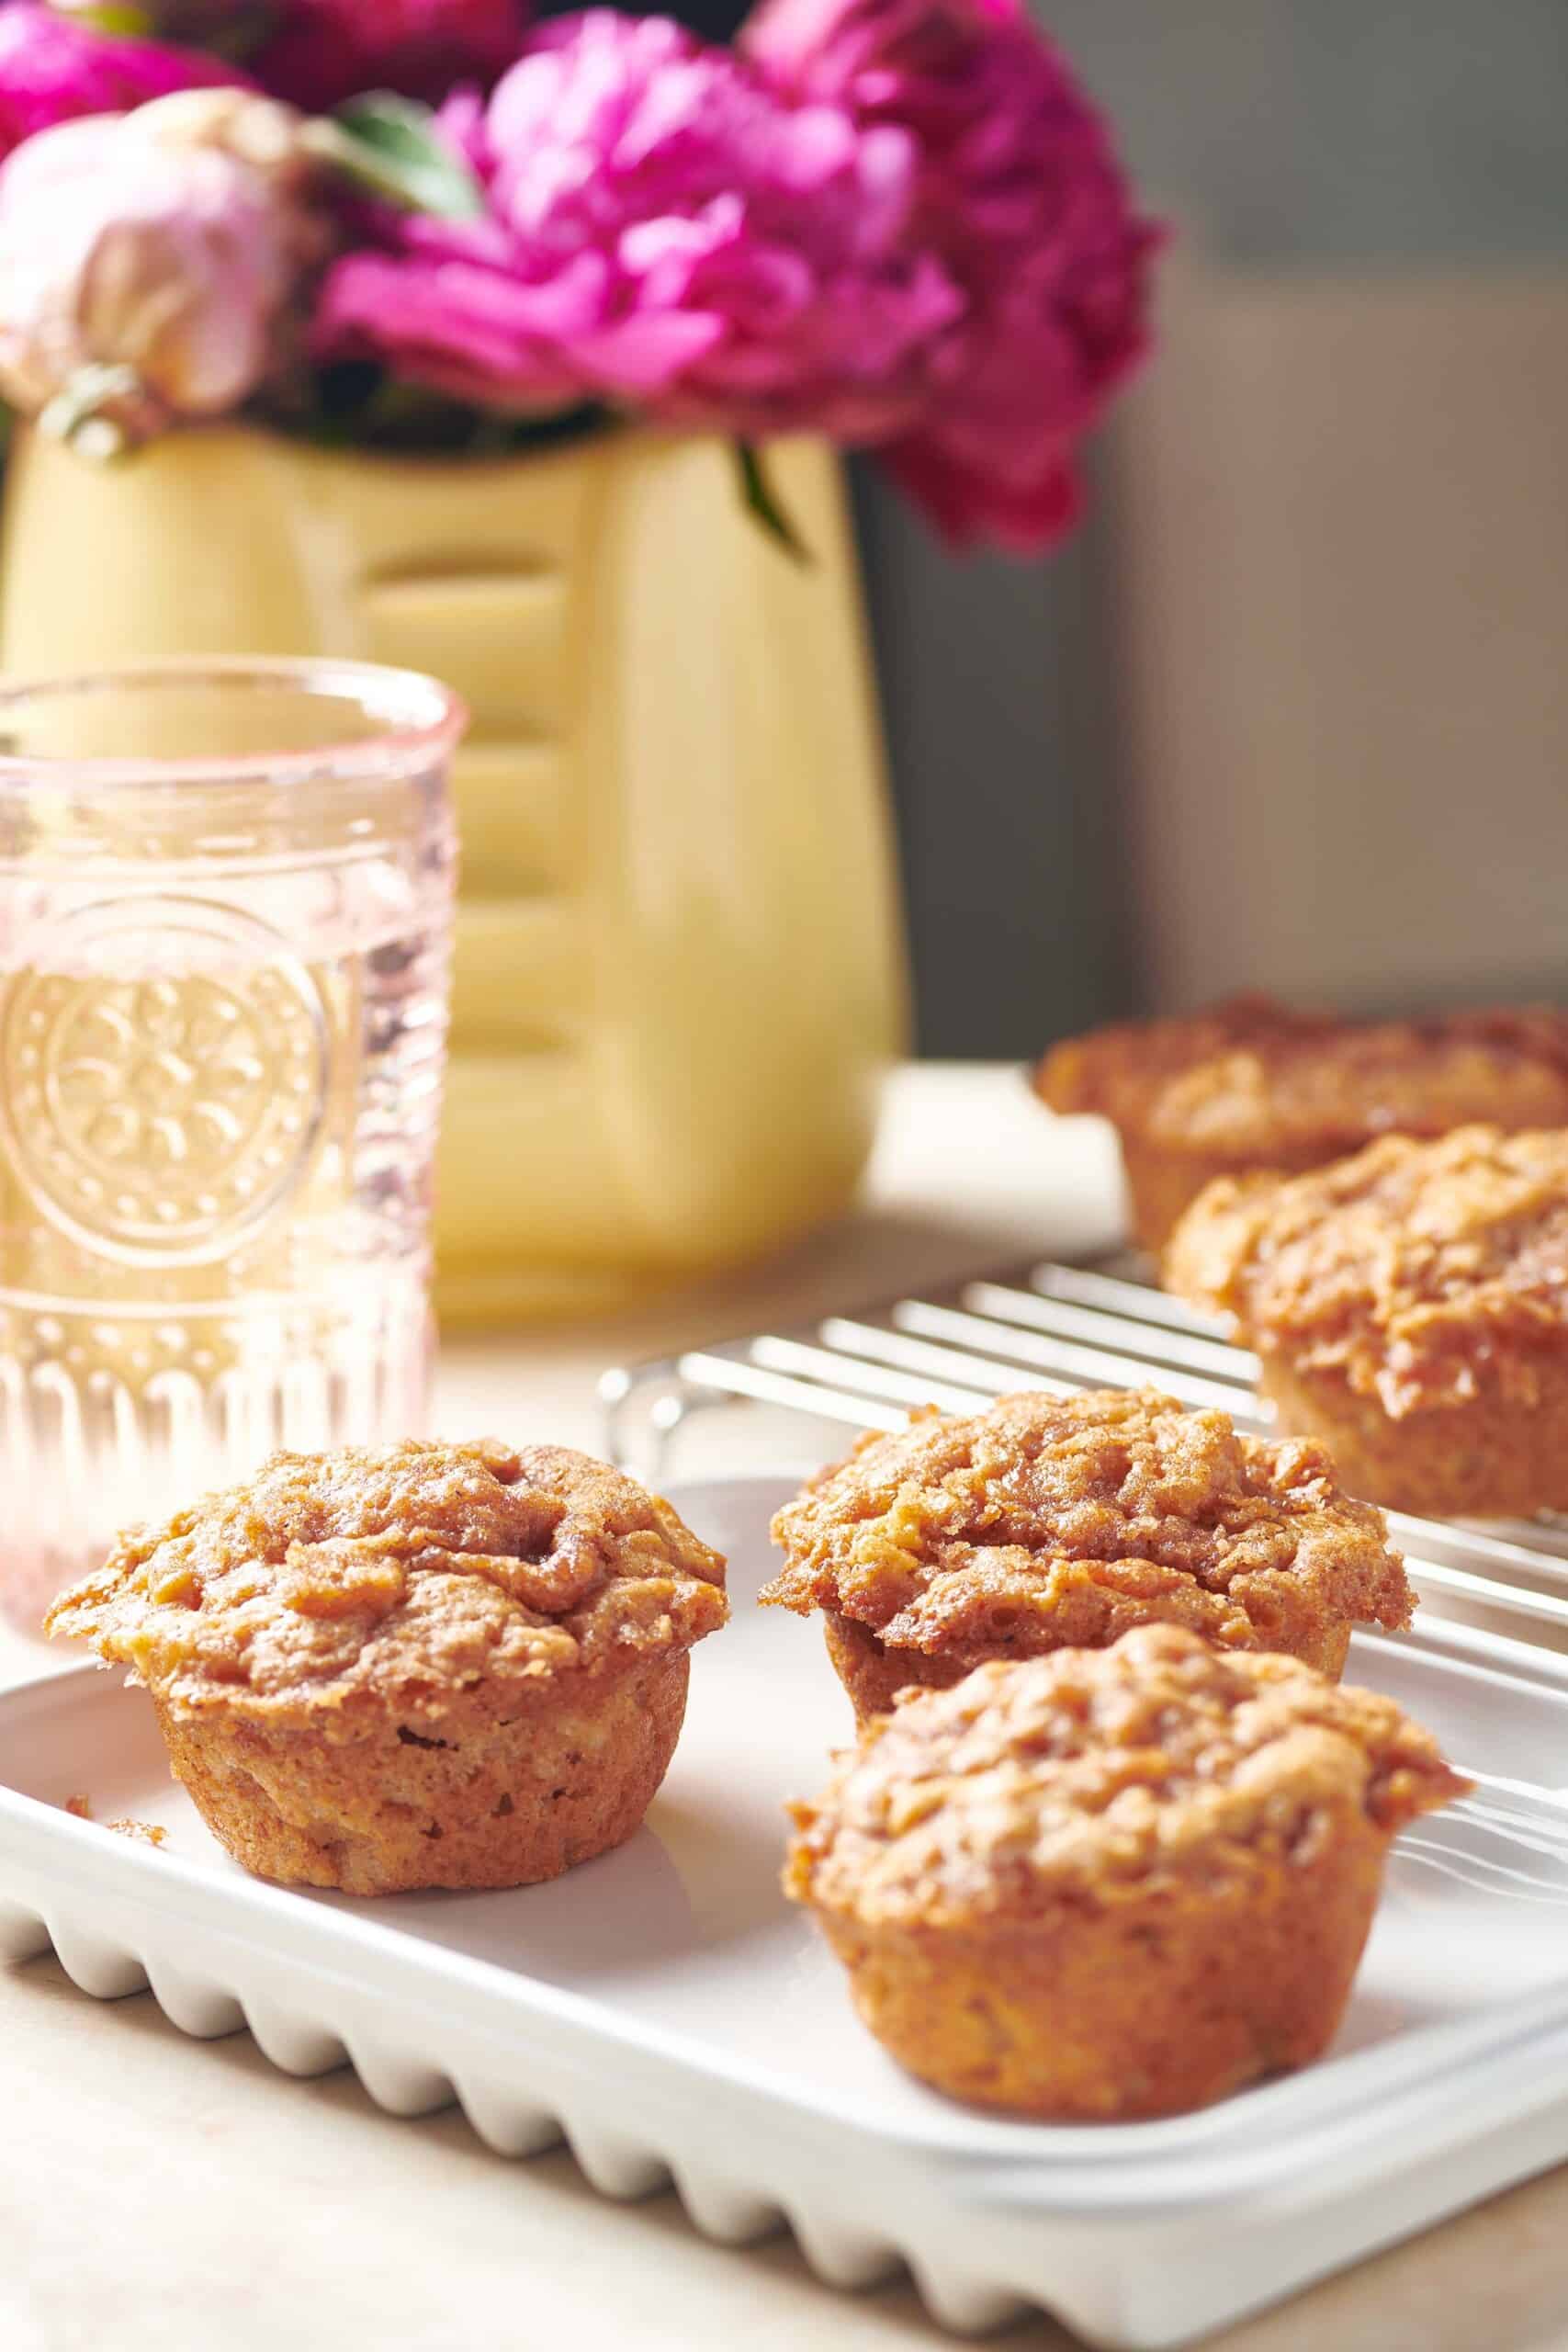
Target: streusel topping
1423 1273
1089 1776
1258 1080
404 1571
953 1529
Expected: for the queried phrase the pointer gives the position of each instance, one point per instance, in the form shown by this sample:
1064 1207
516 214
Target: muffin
413 1666
1409 1306
1049 1523
1251 1087
1112 1883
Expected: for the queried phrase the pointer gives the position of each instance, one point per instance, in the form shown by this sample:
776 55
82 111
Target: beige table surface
160 2195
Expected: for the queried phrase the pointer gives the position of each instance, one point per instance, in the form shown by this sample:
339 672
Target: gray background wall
1344 133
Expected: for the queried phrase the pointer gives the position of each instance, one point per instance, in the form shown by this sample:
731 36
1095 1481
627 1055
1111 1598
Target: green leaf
231 29
391 146
761 501
122 22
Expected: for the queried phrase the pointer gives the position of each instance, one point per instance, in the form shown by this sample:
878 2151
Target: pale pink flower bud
150 267
268 136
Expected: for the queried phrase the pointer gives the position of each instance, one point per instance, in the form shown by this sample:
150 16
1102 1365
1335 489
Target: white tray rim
1155 2163
1285 2149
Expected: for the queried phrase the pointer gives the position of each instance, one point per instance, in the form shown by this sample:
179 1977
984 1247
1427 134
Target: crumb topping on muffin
406 1572
1121 1071
1253 1078
1424 1273
1092 1776
955 1533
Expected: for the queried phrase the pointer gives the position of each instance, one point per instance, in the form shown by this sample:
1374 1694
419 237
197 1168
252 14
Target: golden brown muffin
1049 1523
1410 1307
1117 1883
1251 1086
411 1667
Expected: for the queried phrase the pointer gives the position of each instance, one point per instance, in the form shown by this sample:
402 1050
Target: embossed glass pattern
225 916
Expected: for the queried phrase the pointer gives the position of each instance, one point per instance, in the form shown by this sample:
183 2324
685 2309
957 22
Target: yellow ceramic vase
679 968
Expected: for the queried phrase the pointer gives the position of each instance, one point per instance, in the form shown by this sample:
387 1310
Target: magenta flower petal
892 222
452 335
642 357
54 71
1021 196
751 264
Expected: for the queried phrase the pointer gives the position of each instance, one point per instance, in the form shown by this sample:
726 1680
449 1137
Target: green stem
77 415
762 501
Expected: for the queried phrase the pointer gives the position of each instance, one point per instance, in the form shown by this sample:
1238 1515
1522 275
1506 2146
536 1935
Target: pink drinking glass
225 921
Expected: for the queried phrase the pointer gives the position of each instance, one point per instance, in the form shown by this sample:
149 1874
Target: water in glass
225 907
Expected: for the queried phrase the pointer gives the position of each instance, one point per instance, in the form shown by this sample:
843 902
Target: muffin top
403 1573
1156 1767
1423 1273
1253 1078
950 1531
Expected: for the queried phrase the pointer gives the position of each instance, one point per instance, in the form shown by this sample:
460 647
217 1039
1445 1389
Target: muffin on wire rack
1409 1306
1251 1086
1047 1522
421 1666
1114 1884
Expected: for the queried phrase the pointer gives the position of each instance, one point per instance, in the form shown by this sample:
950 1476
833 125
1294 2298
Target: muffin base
1149 2007
1482 1459
1164 1182
509 1785
874 1673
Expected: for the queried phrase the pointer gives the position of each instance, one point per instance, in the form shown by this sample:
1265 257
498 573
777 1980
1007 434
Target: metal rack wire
1060 1328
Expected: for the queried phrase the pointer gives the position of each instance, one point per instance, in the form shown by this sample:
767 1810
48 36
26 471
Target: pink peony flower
325 51
665 230
52 71
1022 195
150 263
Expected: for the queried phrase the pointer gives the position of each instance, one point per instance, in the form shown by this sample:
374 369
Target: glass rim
418 720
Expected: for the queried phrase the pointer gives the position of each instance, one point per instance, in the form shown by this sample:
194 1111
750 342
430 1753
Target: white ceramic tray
667 2011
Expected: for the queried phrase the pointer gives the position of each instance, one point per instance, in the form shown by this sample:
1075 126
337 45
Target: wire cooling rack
1060 1328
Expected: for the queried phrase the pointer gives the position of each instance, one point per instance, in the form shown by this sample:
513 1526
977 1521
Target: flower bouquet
419 332
900 224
